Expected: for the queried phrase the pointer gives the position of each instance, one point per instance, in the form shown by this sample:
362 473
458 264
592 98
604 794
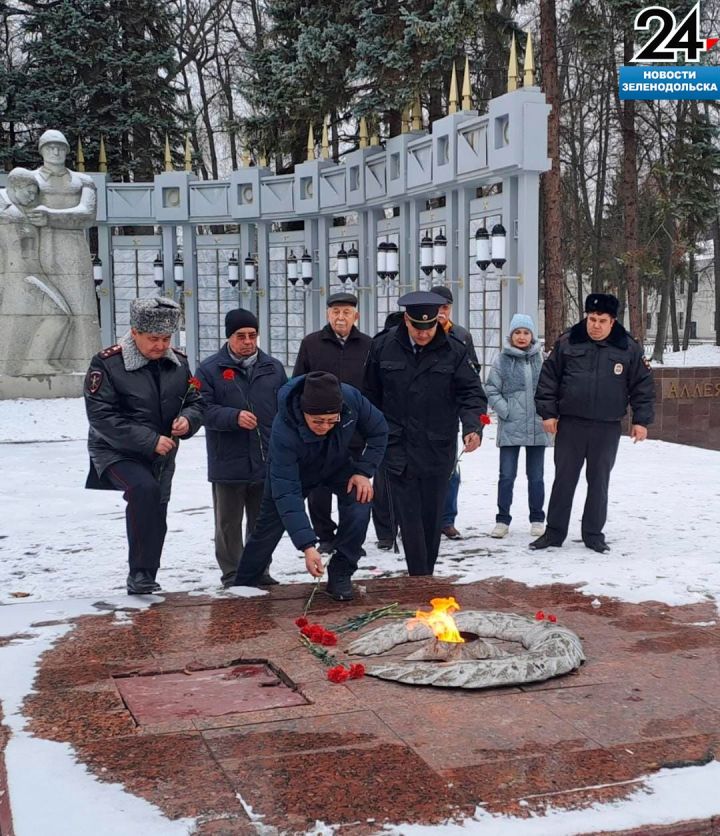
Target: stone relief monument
48 310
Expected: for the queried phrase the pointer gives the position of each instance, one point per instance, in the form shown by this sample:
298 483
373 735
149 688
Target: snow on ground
59 542
696 355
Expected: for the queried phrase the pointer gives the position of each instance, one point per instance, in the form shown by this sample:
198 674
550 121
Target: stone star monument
48 310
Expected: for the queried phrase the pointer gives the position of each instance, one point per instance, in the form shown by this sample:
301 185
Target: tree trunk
716 273
689 303
209 131
629 202
551 182
673 319
667 243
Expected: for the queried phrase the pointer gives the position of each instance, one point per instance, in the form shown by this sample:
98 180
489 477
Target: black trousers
384 515
320 508
418 504
146 489
578 442
257 555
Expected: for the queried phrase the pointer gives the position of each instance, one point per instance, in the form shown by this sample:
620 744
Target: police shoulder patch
646 362
94 380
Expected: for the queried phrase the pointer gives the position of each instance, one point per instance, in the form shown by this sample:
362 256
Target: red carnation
316 633
329 639
357 671
338 674
228 374
539 615
552 618
307 629
485 419
194 383
302 621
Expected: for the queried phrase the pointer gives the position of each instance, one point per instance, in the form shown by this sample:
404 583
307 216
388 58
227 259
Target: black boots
545 542
141 582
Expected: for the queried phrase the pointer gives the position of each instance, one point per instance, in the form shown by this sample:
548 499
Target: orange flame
439 620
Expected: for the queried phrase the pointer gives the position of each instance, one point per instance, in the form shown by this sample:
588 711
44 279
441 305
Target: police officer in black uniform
423 381
140 401
594 371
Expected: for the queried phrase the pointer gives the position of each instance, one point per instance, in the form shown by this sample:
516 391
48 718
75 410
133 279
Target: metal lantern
178 273
426 254
342 264
497 245
292 268
440 253
97 270
482 248
381 260
158 272
249 270
353 264
392 263
233 271
306 268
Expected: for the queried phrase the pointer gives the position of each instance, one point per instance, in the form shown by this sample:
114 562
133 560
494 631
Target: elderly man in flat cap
140 401
341 349
593 372
422 381
239 388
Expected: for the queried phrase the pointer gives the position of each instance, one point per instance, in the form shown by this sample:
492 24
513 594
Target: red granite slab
371 752
208 693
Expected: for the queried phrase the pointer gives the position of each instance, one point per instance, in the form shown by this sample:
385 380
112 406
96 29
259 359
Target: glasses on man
323 422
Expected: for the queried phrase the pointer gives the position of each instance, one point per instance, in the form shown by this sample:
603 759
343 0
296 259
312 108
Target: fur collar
617 337
133 360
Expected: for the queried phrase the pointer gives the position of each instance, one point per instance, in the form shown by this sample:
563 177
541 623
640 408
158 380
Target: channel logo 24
669 38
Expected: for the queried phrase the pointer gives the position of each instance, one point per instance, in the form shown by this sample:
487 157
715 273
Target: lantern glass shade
392 263
292 268
353 263
178 273
233 270
306 267
426 254
381 261
249 270
497 245
440 253
482 248
158 273
342 264
97 270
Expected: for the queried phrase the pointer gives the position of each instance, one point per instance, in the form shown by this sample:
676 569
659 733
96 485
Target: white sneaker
501 530
537 529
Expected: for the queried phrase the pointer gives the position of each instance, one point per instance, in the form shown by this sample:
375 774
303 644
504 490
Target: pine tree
92 68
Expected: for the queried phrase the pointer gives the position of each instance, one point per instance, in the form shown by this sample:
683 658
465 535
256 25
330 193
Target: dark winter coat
322 351
510 389
422 398
237 455
131 401
596 380
301 460
466 339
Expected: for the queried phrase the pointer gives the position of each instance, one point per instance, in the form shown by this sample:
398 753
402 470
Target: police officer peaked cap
602 303
342 299
421 307
155 315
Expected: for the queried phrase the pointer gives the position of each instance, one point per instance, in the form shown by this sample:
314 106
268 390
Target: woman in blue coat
510 389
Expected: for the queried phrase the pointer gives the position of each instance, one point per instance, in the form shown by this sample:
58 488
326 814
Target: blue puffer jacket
236 455
301 460
510 389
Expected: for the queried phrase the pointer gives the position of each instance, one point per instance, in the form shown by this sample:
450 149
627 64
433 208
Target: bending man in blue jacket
310 446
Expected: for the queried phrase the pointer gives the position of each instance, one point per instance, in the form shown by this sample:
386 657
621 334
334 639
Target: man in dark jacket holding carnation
310 446
593 372
239 388
140 401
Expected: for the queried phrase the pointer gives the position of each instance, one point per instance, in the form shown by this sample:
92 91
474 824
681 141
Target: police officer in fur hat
593 372
140 401
424 383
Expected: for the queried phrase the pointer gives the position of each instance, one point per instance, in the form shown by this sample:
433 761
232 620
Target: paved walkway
260 731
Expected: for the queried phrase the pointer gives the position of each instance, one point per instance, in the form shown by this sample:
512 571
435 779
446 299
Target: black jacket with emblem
322 351
237 455
131 401
422 398
596 380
